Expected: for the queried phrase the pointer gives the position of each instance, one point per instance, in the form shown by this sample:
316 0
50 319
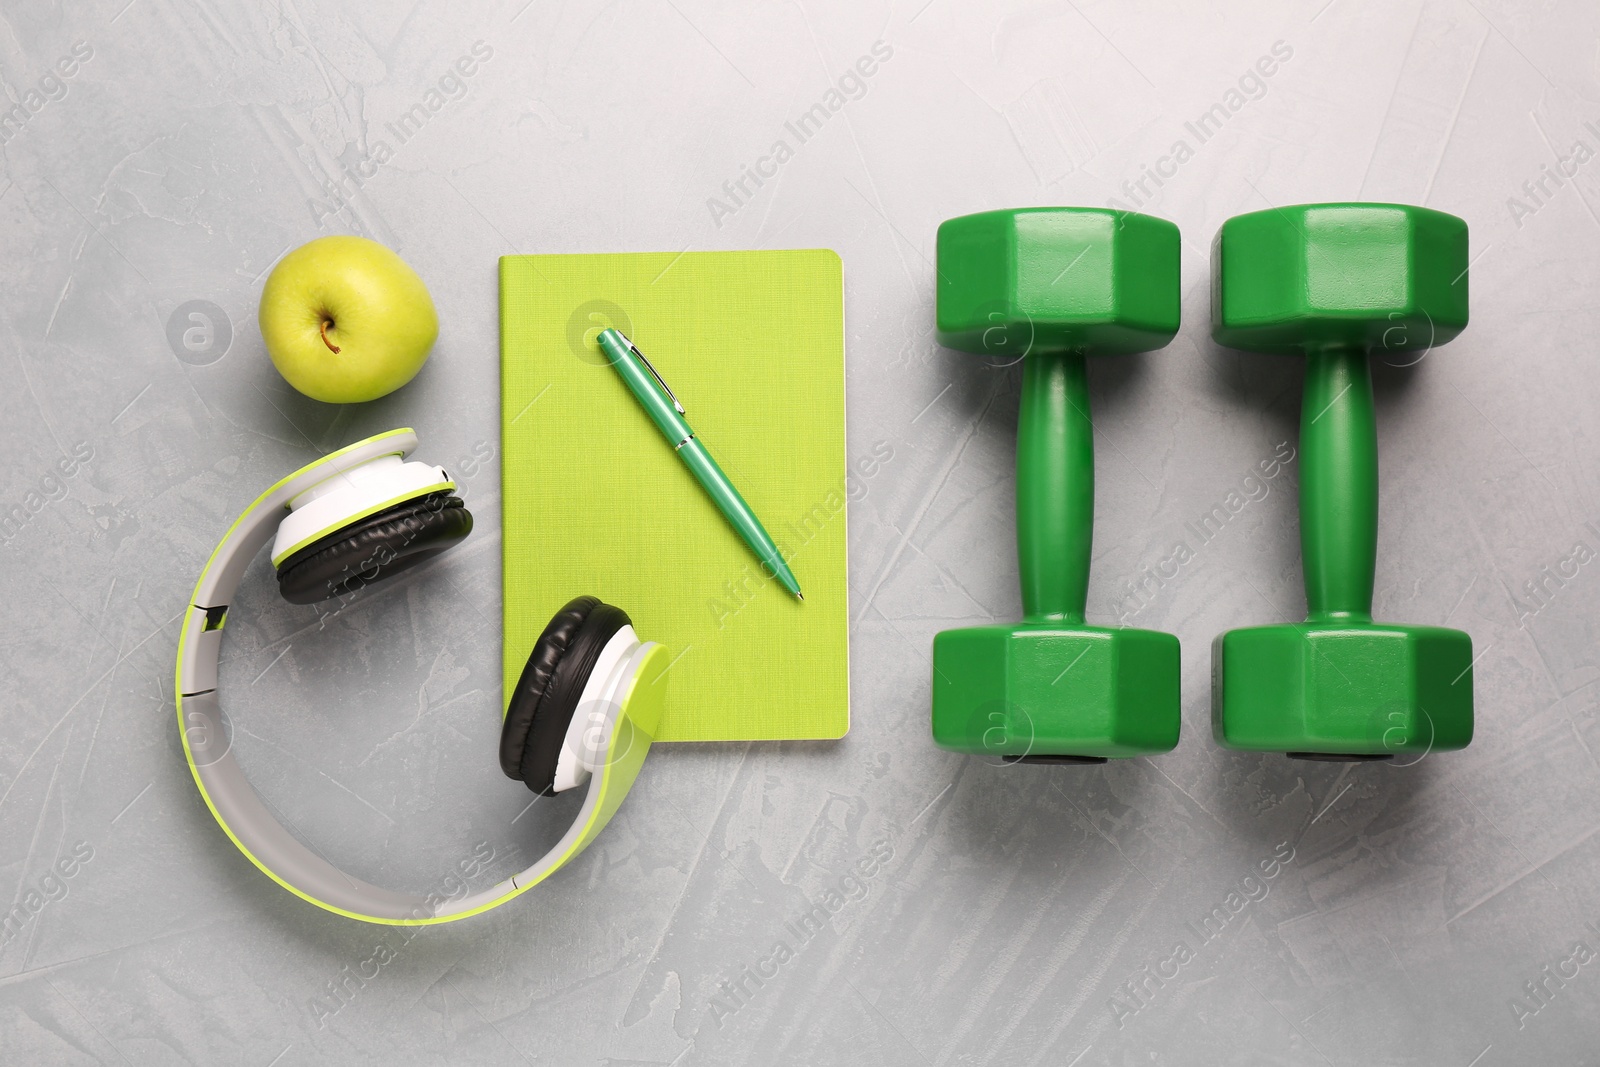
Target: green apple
346 320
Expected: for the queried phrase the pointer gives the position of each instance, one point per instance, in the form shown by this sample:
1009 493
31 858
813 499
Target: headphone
584 710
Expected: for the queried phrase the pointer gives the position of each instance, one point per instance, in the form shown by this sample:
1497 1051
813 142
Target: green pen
664 410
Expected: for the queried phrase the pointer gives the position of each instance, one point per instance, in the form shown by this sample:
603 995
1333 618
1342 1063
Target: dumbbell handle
1055 487
1338 485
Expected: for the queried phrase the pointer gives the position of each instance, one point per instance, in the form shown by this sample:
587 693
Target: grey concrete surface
1430 914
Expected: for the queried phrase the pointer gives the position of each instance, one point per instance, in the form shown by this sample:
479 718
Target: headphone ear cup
547 693
373 548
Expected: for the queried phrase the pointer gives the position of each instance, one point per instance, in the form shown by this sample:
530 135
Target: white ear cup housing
347 495
585 748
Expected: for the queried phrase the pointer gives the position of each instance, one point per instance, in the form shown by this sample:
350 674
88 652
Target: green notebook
596 501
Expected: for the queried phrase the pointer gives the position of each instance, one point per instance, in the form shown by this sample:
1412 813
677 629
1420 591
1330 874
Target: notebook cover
596 501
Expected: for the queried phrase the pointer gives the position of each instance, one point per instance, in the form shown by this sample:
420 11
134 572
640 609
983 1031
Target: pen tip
800 597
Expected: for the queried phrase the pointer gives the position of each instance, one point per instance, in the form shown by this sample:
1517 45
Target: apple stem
331 346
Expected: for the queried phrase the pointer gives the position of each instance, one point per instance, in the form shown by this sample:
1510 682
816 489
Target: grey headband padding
278 852
258 830
374 548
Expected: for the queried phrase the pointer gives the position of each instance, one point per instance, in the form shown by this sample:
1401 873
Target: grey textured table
1018 916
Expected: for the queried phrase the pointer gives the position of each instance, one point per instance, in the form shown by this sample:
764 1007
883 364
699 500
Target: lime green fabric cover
595 501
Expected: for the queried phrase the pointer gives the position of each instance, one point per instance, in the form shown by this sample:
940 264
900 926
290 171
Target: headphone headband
630 703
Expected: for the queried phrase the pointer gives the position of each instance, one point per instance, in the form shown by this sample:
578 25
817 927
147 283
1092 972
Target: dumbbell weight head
1054 279
1052 285
1040 691
1335 282
1382 277
1342 688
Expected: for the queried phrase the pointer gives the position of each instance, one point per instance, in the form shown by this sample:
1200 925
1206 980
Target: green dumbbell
1051 286
1334 282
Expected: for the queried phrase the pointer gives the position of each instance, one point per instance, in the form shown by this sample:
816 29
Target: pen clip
657 375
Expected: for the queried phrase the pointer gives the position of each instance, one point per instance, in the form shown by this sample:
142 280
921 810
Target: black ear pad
535 678
547 693
373 548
